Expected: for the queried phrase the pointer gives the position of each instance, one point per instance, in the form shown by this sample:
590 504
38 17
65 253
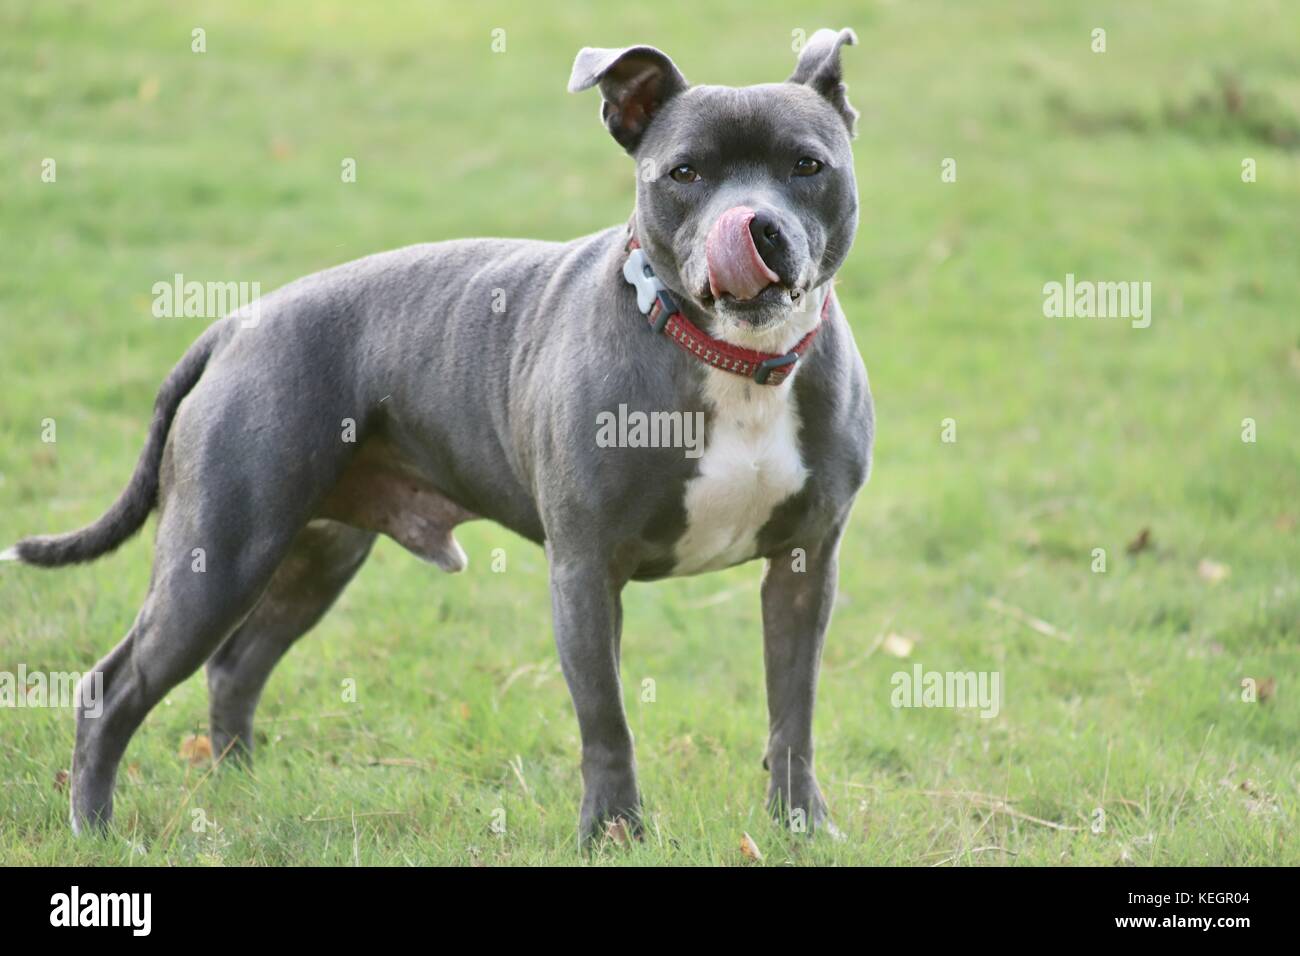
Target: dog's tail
135 502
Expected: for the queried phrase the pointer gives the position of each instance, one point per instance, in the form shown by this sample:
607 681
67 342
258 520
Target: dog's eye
685 174
807 167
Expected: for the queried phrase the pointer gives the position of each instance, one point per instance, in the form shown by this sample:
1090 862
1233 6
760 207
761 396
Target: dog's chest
751 463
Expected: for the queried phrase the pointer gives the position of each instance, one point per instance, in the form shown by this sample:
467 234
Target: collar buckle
768 366
666 309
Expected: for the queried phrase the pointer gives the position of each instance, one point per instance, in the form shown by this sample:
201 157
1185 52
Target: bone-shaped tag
638 272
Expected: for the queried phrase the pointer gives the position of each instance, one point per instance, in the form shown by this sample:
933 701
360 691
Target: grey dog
410 391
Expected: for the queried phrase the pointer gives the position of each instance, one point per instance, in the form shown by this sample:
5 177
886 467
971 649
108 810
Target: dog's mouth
763 307
742 285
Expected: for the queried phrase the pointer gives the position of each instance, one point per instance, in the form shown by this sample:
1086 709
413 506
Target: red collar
653 299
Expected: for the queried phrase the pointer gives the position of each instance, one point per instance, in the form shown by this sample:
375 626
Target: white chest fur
751 463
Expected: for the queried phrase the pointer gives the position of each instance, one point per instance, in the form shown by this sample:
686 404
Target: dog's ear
819 68
635 82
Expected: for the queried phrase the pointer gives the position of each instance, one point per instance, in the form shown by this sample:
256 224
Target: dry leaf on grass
1141 542
617 832
196 748
898 645
1031 622
683 746
1265 687
749 849
1257 801
281 148
1212 571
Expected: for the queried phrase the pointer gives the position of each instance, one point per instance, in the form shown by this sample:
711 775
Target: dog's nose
736 264
765 232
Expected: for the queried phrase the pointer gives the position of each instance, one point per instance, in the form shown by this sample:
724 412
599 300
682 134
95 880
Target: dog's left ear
635 82
819 68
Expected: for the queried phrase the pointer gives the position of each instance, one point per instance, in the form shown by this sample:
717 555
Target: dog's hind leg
323 559
238 481
198 594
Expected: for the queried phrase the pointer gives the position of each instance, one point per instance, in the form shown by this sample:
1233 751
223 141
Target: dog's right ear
635 82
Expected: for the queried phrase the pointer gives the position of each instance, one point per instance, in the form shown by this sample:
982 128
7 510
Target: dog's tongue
734 263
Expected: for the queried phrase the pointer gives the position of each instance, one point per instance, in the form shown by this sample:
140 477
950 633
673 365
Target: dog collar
654 301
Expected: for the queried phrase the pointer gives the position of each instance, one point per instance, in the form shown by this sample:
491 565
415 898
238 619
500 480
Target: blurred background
1122 688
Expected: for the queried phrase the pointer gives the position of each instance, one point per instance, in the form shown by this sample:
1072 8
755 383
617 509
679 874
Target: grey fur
465 410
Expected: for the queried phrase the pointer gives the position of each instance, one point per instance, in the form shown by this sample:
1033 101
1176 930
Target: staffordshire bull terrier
410 391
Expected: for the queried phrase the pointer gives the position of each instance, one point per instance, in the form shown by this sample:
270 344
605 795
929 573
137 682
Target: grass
1072 434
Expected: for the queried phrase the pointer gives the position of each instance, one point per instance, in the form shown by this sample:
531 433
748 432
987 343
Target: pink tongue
734 264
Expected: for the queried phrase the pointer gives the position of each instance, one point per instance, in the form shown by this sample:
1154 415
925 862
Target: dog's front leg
798 594
586 606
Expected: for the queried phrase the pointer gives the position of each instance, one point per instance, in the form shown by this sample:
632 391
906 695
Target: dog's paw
798 805
610 814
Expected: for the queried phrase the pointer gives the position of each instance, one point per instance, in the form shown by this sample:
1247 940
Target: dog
407 392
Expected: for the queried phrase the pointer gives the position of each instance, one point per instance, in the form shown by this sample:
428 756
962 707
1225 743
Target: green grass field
1072 434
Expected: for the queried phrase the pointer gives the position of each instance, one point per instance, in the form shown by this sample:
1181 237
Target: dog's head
746 199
